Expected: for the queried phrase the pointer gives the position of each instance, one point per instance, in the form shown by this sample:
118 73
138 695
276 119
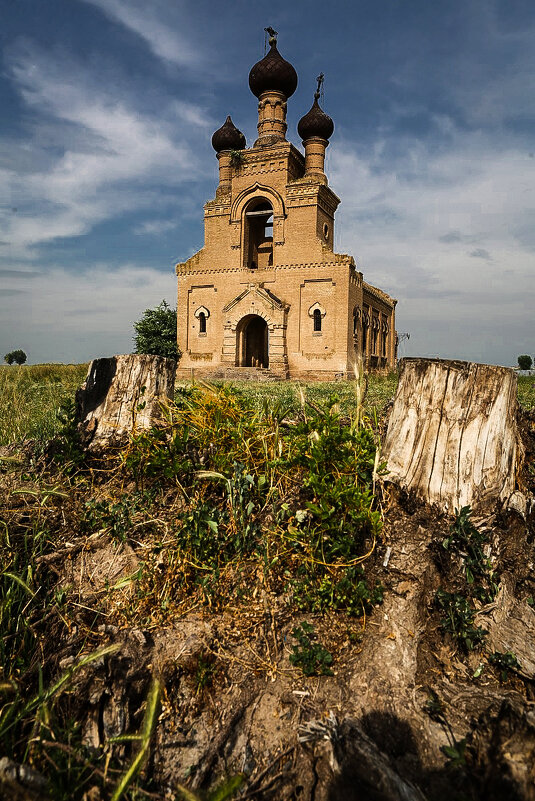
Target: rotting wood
122 394
510 626
452 435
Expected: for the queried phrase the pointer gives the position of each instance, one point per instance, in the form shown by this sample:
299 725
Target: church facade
267 292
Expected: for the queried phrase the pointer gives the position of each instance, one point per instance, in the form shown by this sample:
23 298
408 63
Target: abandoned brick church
267 292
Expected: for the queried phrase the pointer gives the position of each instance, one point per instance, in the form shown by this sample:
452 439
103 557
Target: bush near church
525 362
156 332
17 356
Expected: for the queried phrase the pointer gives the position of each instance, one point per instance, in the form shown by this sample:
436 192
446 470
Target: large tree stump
122 394
452 435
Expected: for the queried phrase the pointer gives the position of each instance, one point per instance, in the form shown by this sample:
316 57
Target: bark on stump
452 435
122 394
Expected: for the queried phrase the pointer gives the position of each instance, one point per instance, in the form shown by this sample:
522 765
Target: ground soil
232 702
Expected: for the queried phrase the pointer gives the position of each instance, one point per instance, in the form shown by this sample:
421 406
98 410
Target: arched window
375 334
258 239
317 313
384 329
365 329
356 318
202 314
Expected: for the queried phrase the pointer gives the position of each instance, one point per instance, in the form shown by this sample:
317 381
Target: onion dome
315 123
273 73
228 137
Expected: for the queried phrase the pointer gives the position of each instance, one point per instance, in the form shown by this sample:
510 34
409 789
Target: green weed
467 541
458 608
506 663
458 619
309 654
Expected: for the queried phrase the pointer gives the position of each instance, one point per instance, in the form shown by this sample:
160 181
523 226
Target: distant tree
17 356
156 332
525 362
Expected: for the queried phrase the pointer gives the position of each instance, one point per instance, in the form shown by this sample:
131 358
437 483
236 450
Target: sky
107 112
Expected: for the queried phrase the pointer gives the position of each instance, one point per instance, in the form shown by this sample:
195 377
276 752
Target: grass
526 392
31 397
380 390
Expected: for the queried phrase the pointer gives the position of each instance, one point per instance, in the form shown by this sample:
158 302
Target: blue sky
108 107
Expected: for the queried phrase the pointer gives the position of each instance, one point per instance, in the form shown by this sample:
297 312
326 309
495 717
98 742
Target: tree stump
122 394
452 435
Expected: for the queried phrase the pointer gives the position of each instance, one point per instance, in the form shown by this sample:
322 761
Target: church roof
315 123
273 73
228 137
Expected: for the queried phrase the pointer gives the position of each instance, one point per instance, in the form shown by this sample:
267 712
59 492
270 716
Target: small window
325 231
317 320
202 323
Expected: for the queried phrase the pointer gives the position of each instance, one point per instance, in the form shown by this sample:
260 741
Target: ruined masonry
267 293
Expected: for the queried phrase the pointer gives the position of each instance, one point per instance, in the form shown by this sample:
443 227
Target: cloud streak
159 24
118 159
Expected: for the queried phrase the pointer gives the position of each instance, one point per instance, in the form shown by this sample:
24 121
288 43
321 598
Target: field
31 397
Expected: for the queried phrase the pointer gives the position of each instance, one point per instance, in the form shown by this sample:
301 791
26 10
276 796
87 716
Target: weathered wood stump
452 435
122 394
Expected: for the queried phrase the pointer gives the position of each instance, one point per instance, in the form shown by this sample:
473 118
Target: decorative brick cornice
378 294
339 260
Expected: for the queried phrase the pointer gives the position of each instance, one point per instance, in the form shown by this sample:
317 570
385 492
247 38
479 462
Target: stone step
253 374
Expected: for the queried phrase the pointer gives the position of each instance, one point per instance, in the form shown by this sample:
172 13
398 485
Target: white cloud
74 317
409 222
159 24
114 165
155 227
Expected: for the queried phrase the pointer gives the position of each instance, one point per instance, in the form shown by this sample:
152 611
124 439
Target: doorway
252 342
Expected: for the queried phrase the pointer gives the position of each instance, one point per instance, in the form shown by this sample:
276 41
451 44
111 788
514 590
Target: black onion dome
228 137
315 123
273 73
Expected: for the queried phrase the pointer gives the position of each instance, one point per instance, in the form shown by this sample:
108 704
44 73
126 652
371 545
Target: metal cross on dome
272 35
320 79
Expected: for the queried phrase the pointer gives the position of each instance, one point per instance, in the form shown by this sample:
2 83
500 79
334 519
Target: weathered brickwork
267 290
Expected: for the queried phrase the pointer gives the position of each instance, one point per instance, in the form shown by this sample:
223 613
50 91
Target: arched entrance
252 342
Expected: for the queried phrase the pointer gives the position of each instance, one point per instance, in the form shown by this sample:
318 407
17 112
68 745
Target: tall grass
31 396
380 389
526 391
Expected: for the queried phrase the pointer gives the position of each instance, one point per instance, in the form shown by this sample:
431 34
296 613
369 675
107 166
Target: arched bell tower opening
252 342
258 238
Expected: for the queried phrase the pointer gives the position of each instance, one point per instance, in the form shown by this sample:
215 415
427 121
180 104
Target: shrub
156 332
